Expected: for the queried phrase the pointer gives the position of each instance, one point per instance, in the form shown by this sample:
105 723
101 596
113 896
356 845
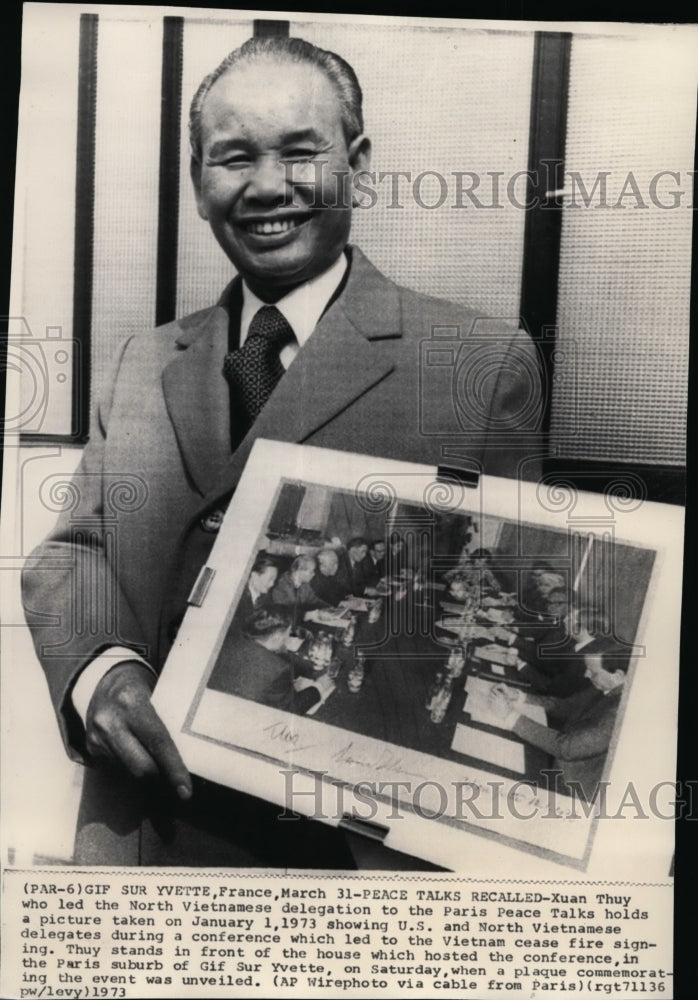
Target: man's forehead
275 90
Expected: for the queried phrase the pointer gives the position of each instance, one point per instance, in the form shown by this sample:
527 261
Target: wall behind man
624 292
439 102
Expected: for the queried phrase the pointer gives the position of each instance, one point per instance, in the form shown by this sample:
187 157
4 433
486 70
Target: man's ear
195 174
360 153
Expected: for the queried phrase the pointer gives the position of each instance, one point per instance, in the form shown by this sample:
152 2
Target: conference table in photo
385 655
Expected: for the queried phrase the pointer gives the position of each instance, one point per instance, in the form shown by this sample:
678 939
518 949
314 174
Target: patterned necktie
254 370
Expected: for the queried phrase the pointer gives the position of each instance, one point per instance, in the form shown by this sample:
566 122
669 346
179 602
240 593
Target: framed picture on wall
450 666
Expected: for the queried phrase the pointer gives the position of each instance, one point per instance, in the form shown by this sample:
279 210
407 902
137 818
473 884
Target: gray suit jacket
246 669
580 746
121 561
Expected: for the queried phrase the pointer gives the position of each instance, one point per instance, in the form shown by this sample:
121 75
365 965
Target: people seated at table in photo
356 566
530 597
534 612
547 583
560 669
329 584
294 590
377 555
463 585
472 581
398 562
257 591
549 629
481 560
252 665
586 720
551 660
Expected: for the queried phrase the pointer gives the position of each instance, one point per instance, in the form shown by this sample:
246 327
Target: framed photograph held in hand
454 666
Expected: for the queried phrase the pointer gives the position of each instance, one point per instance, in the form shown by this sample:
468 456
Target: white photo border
589 843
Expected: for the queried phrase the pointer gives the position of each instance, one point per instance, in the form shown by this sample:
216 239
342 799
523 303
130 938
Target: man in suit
257 592
329 583
277 142
556 663
294 590
252 665
377 567
586 720
357 567
540 640
398 558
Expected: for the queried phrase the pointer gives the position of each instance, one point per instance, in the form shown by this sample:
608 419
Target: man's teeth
277 226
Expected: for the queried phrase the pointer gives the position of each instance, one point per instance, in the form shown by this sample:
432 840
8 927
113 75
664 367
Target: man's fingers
152 733
123 725
132 755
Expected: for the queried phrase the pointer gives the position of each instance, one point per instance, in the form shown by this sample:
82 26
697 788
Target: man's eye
237 162
299 155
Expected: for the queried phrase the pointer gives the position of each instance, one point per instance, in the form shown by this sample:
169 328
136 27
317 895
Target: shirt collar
302 307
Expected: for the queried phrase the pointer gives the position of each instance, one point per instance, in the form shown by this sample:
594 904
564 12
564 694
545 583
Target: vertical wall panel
546 152
203 269
42 273
623 306
126 183
170 142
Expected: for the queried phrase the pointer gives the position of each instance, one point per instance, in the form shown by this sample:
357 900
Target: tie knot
271 326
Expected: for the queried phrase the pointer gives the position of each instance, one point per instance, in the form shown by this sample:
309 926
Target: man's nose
269 180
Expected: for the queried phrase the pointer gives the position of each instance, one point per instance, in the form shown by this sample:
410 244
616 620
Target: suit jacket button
212 521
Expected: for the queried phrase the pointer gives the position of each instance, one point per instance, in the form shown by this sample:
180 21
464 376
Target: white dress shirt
302 308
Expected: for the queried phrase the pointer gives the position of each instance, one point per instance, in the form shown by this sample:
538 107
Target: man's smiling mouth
272 227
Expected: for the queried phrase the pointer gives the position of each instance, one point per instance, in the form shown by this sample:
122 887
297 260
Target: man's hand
325 685
123 726
505 703
301 683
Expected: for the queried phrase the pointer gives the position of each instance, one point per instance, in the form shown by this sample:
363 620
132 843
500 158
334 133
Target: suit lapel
196 396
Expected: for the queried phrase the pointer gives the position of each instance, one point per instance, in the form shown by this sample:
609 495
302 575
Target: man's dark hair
265 622
561 594
613 658
376 541
303 562
542 567
279 50
262 562
593 620
353 543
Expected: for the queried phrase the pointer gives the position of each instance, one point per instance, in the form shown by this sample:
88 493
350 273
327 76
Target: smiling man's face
272 149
